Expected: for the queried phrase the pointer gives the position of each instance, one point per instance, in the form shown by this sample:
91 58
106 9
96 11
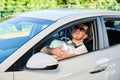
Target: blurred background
10 7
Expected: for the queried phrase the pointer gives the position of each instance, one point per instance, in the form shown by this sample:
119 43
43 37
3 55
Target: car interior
113 32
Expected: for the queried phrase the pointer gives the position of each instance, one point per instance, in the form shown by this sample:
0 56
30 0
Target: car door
112 25
115 62
93 65
6 75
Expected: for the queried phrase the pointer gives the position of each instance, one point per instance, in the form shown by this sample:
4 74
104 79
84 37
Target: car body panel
115 61
64 13
6 76
71 69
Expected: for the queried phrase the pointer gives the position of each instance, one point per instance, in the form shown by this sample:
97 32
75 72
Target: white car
23 36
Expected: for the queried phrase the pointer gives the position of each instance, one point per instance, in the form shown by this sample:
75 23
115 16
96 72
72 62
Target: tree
118 1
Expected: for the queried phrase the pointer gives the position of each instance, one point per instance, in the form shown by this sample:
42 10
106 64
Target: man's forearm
47 50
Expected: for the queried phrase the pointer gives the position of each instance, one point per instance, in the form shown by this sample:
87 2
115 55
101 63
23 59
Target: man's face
79 32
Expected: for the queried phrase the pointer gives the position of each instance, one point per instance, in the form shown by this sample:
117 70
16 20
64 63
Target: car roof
56 14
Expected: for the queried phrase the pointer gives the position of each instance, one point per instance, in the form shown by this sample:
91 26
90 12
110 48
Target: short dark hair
88 24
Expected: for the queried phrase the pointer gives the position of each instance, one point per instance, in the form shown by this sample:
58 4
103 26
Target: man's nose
77 30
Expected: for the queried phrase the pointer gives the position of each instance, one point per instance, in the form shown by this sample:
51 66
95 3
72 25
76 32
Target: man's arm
58 51
47 50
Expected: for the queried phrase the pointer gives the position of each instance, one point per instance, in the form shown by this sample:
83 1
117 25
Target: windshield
17 31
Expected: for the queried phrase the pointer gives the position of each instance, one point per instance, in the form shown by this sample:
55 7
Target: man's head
79 32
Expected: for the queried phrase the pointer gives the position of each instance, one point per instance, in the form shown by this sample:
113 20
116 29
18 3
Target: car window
113 30
17 31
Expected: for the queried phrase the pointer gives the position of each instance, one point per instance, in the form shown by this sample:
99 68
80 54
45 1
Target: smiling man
75 47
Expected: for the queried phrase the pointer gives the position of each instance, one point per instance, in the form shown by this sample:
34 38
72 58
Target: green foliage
29 5
118 1
26 5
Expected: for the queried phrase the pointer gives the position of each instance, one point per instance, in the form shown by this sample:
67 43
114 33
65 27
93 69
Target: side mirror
42 61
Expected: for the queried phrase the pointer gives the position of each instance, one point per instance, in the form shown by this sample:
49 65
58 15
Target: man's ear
85 36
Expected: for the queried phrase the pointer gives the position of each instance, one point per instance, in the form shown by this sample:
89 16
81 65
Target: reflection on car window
17 31
12 30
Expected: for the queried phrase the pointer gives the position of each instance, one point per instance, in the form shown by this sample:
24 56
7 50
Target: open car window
65 33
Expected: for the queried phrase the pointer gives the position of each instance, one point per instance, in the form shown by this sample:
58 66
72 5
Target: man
78 36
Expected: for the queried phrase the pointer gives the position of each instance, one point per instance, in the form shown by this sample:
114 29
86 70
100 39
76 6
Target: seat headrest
109 23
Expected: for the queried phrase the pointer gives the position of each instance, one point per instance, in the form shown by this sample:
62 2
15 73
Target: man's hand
59 52
68 56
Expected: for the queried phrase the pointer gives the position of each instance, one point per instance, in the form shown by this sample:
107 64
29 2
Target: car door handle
98 70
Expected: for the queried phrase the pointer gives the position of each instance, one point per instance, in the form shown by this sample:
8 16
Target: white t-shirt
81 49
